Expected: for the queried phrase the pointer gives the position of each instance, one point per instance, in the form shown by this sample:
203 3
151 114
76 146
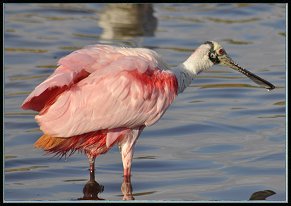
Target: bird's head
211 53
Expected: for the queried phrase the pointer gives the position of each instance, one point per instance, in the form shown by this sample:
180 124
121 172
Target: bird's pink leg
92 167
127 160
127 172
127 149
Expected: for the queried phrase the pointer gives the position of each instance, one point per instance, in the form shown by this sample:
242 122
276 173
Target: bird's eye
221 51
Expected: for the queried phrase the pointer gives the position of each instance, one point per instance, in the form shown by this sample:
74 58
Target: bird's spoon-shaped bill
227 61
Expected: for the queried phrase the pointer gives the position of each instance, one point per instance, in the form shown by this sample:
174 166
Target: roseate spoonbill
104 95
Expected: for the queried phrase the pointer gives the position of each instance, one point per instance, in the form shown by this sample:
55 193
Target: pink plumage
104 93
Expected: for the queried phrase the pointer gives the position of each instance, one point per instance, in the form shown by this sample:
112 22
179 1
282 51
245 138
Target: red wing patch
43 101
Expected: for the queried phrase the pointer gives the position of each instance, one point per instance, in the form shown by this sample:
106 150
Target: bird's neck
184 77
186 71
196 63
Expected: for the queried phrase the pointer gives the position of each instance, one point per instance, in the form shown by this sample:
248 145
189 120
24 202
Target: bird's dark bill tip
271 88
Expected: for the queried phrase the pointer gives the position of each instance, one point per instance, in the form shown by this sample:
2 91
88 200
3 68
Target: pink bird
104 95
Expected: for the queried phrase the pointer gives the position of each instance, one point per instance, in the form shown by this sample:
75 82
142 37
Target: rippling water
224 138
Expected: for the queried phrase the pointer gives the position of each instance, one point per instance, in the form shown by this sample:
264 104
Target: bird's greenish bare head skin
219 56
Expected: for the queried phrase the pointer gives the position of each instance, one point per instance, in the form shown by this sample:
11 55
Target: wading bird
103 95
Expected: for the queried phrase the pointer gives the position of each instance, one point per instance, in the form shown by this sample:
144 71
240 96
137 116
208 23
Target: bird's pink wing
72 69
128 93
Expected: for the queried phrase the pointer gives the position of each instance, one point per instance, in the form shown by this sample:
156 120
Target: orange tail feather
47 142
93 143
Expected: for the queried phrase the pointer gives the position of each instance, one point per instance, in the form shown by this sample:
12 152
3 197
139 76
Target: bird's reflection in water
92 188
124 21
91 191
126 189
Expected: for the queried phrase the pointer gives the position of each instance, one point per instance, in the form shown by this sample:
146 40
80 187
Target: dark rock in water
262 195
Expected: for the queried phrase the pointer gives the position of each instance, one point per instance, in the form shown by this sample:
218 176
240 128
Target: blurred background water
224 138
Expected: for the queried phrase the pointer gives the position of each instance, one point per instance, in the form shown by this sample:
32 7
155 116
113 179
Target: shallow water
224 138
